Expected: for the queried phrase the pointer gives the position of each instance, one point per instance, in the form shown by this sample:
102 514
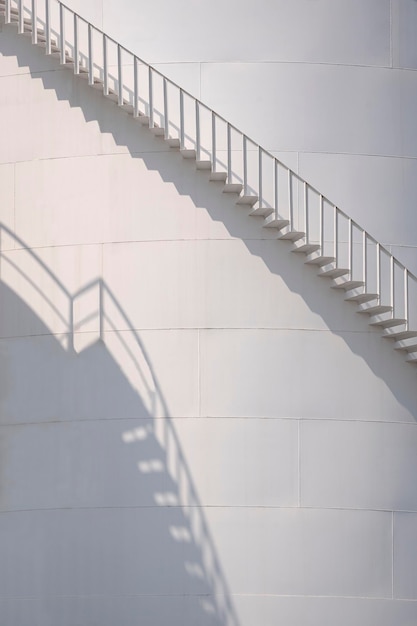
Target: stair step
173 142
218 177
316 258
305 248
291 235
126 106
410 347
188 153
247 200
331 271
272 221
143 119
387 322
261 211
232 188
411 358
347 285
203 165
374 309
157 130
360 296
399 335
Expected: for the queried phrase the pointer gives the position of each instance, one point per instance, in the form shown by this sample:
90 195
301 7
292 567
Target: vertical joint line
62 33
213 140
245 165
197 130
150 98
276 187
105 67
182 129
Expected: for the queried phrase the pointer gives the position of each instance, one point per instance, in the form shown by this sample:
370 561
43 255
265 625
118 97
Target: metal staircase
351 259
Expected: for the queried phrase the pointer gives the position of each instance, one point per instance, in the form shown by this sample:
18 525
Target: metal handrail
283 197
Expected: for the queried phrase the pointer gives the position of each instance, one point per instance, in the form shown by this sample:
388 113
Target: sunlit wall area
194 429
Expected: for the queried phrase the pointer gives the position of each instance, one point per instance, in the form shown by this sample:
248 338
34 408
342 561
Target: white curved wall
282 487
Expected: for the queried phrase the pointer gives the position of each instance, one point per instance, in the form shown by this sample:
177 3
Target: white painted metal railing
342 250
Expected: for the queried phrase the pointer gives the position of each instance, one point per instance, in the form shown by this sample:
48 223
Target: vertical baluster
151 98
229 153
321 224
105 66
48 26
182 129
20 26
350 248
62 33
213 141
260 191
136 86
276 187
290 204
119 76
406 299
392 284
365 258
378 271
245 164
336 236
76 46
34 22
197 131
7 18
166 116
306 228
90 56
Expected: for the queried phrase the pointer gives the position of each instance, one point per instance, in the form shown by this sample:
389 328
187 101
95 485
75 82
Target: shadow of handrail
136 353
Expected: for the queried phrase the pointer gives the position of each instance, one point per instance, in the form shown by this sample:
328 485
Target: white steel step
218 177
261 211
374 309
332 271
387 322
203 165
247 200
360 295
347 285
305 248
232 188
317 258
272 221
399 334
290 235
188 153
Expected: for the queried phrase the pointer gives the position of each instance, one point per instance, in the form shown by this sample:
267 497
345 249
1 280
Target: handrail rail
241 163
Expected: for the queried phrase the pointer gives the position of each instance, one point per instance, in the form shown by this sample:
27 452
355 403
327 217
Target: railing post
276 186
350 250
321 224
166 115
48 26
182 129
20 28
90 56
197 131
306 212
336 236
76 46
119 76
105 67
364 258
378 270
34 22
392 284
213 141
229 153
150 98
245 165
7 17
62 33
290 206
260 175
406 299
136 86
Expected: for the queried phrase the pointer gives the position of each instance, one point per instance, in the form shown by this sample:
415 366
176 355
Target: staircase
343 252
